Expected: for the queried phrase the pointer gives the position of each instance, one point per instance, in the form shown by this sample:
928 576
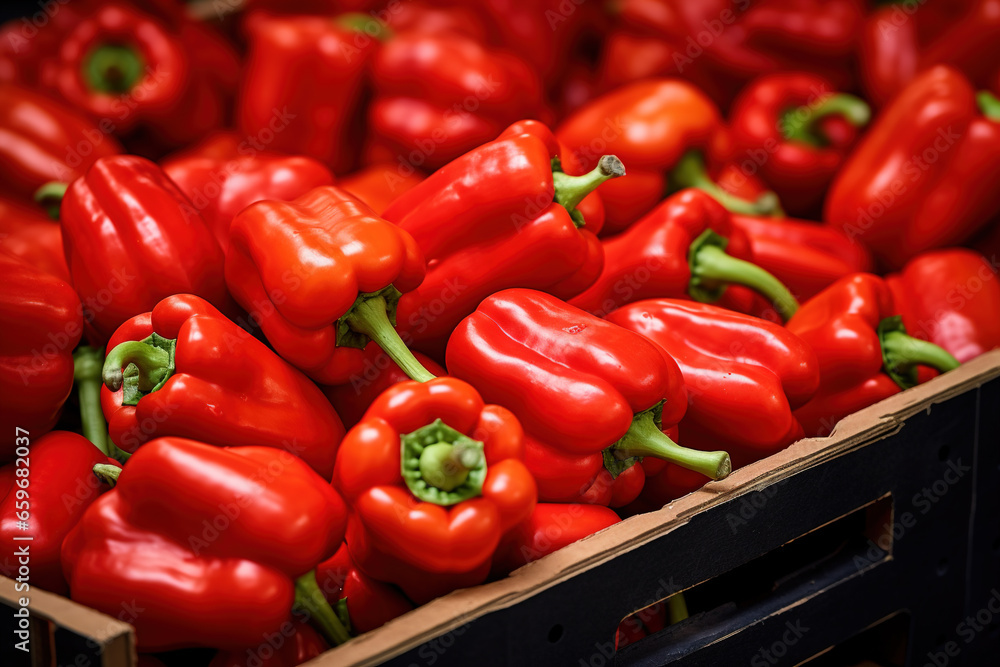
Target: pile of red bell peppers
314 311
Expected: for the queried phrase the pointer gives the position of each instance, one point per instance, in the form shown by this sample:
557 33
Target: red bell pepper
130 69
302 85
42 141
369 603
968 43
28 43
293 644
779 123
428 516
185 370
685 247
950 298
110 218
666 131
429 16
924 176
323 274
438 96
220 187
26 232
42 323
591 395
189 536
550 527
378 185
744 377
889 50
44 493
379 372
804 256
863 349
504 215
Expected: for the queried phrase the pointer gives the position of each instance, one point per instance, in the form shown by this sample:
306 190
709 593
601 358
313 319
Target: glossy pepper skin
804 256
379 185
429 518
219 187
591 395
923 176
26 232
157 539
423 83
42 322
550 527
108 219
685 247
323 275
863 349
888 51
500 216
52 486
665 131
744 377
42 140
302 84
370 604
951 298
784 115
196 374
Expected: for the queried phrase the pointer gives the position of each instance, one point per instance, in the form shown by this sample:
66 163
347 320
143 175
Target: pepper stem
107 473
50 196
799 124
153 364
441 465
712 270
571 190
87 368
988 104
309 598
690 172
644 438
902 353
447 465
369 317
113 68
366 23
677 609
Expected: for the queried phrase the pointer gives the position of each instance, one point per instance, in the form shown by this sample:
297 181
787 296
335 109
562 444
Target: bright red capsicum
323 274
26 232
744 377
302 86
219 187
550 527
504 215
590 395
379 185
965 42
109 218
185 370
924 175
42 140
369 603
685 247
888 50
434 477
48 488
666 131
438 96
952 299
863 350
296 643
804 256
779 122
189 535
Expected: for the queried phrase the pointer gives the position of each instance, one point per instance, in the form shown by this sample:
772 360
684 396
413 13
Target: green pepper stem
369 317
643 438
88 363
446 466
310 598
677 609
902 351
571 190
50 196
153 364
690 172
366 23
799 124
712 264
988 104
113 68
107 473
